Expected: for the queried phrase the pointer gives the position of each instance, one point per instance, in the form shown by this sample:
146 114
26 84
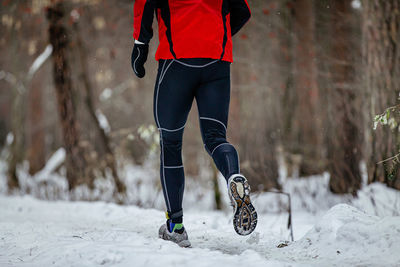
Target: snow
53 163
59 233
329 230
103 121
40 60
356 4
106 94
9 138
310 195
349 235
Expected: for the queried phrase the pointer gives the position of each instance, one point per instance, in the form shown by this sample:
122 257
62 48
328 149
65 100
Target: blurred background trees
381 54
309 77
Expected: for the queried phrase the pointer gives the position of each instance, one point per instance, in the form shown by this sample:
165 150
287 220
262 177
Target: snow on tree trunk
36 152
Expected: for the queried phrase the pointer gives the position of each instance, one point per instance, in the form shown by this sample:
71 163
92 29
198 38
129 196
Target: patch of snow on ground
365 231
346 234
59 233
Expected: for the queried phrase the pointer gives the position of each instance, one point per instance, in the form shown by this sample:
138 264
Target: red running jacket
191 28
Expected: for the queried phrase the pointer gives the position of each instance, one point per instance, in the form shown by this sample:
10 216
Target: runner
194 55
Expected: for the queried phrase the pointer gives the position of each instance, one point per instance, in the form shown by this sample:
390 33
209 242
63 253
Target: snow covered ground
329 230
60 233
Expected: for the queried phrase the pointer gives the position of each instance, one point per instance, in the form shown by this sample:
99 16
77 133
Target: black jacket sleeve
143 15
239 13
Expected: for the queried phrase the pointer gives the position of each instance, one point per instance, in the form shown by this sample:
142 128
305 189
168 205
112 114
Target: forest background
315 90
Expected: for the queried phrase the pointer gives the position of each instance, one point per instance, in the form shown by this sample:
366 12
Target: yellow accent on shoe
166 215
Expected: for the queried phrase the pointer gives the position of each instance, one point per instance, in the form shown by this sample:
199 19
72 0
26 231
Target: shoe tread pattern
245 215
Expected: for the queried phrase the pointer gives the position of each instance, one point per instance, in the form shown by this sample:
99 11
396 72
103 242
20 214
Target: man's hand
139 57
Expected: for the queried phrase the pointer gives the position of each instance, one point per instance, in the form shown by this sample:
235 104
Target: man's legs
173 97
212 97
178 82
213 102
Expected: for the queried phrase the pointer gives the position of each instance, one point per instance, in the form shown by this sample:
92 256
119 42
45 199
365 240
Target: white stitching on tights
211 119
212 152
173 167
172 130
197 66
162 74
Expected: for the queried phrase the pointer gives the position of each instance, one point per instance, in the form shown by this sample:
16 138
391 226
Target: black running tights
179 81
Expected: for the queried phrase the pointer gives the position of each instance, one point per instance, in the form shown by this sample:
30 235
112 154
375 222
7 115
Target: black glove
139 57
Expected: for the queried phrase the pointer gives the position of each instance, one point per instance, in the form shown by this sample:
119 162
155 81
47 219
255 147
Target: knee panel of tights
213 134
171 144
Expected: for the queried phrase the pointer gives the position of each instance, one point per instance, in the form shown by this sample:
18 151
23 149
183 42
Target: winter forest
314 115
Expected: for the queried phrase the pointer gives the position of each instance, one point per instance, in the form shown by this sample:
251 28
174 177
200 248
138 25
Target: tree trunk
17 109
255 97
78 171
345 139
381 28
109 155
36 151
306 129
17 145
217 192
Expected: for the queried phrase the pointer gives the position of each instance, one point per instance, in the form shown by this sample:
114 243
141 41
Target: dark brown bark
16 149
344 144
289 98
217 192
306 124
4 114
17 109
381 28
36 150
78 171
